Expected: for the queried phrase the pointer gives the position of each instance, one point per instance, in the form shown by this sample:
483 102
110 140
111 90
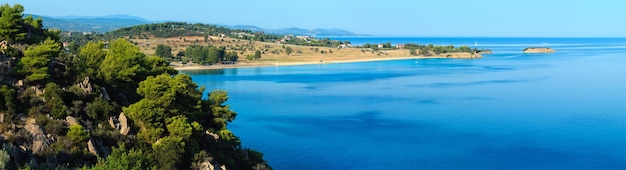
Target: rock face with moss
149 116
538 50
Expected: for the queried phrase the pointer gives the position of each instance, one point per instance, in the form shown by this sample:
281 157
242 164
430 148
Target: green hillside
105 107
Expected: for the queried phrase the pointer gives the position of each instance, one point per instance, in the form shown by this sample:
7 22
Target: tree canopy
89 59
163 51
34 64
11 22
14 28
105 105
179 29
210 54
122 63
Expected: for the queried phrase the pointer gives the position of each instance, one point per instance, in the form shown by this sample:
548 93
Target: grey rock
38 92
205 166
92 148
113 122
124 126
96 147
71 120
86 85
40 139
20 83
215 136
217 166
104 94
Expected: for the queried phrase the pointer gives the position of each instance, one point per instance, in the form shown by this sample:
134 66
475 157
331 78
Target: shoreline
179 67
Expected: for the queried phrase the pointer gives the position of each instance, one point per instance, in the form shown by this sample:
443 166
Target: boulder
86 85
40 139
217 166
205 166
19 83
120 123
104 94
71 120
124 126
213 135
208 166
113 122
95 147
92 148
38 92
4 45
51 137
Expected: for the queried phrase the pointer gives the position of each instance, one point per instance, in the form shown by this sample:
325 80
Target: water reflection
207 72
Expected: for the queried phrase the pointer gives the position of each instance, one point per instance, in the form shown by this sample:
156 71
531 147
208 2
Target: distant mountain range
91 24
113 22
299 31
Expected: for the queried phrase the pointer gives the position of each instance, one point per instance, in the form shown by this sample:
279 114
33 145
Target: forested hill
175 29
105 107
178 29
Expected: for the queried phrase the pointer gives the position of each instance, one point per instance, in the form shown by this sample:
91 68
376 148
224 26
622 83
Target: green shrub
7 97
122 158
99 109
178 126
77 134
4 159
54 127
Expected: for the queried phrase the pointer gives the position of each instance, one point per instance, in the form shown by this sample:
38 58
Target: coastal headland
274 54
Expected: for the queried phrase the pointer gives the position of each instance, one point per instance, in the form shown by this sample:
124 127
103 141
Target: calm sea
508 110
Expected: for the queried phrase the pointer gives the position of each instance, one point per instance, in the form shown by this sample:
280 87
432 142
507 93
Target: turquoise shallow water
507 110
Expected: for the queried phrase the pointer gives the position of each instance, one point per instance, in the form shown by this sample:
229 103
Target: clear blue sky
520 18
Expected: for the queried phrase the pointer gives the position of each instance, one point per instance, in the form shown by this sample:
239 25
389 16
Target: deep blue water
508 110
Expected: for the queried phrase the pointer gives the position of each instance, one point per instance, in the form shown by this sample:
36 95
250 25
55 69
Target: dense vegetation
439 49
425 50
177 29
170 29
210 54
105 106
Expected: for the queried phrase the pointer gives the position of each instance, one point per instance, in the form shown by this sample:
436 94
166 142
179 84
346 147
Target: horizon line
358 34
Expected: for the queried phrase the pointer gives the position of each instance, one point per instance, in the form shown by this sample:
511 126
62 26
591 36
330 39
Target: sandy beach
245 64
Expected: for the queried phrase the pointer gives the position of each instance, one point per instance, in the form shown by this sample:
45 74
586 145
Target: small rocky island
538 50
